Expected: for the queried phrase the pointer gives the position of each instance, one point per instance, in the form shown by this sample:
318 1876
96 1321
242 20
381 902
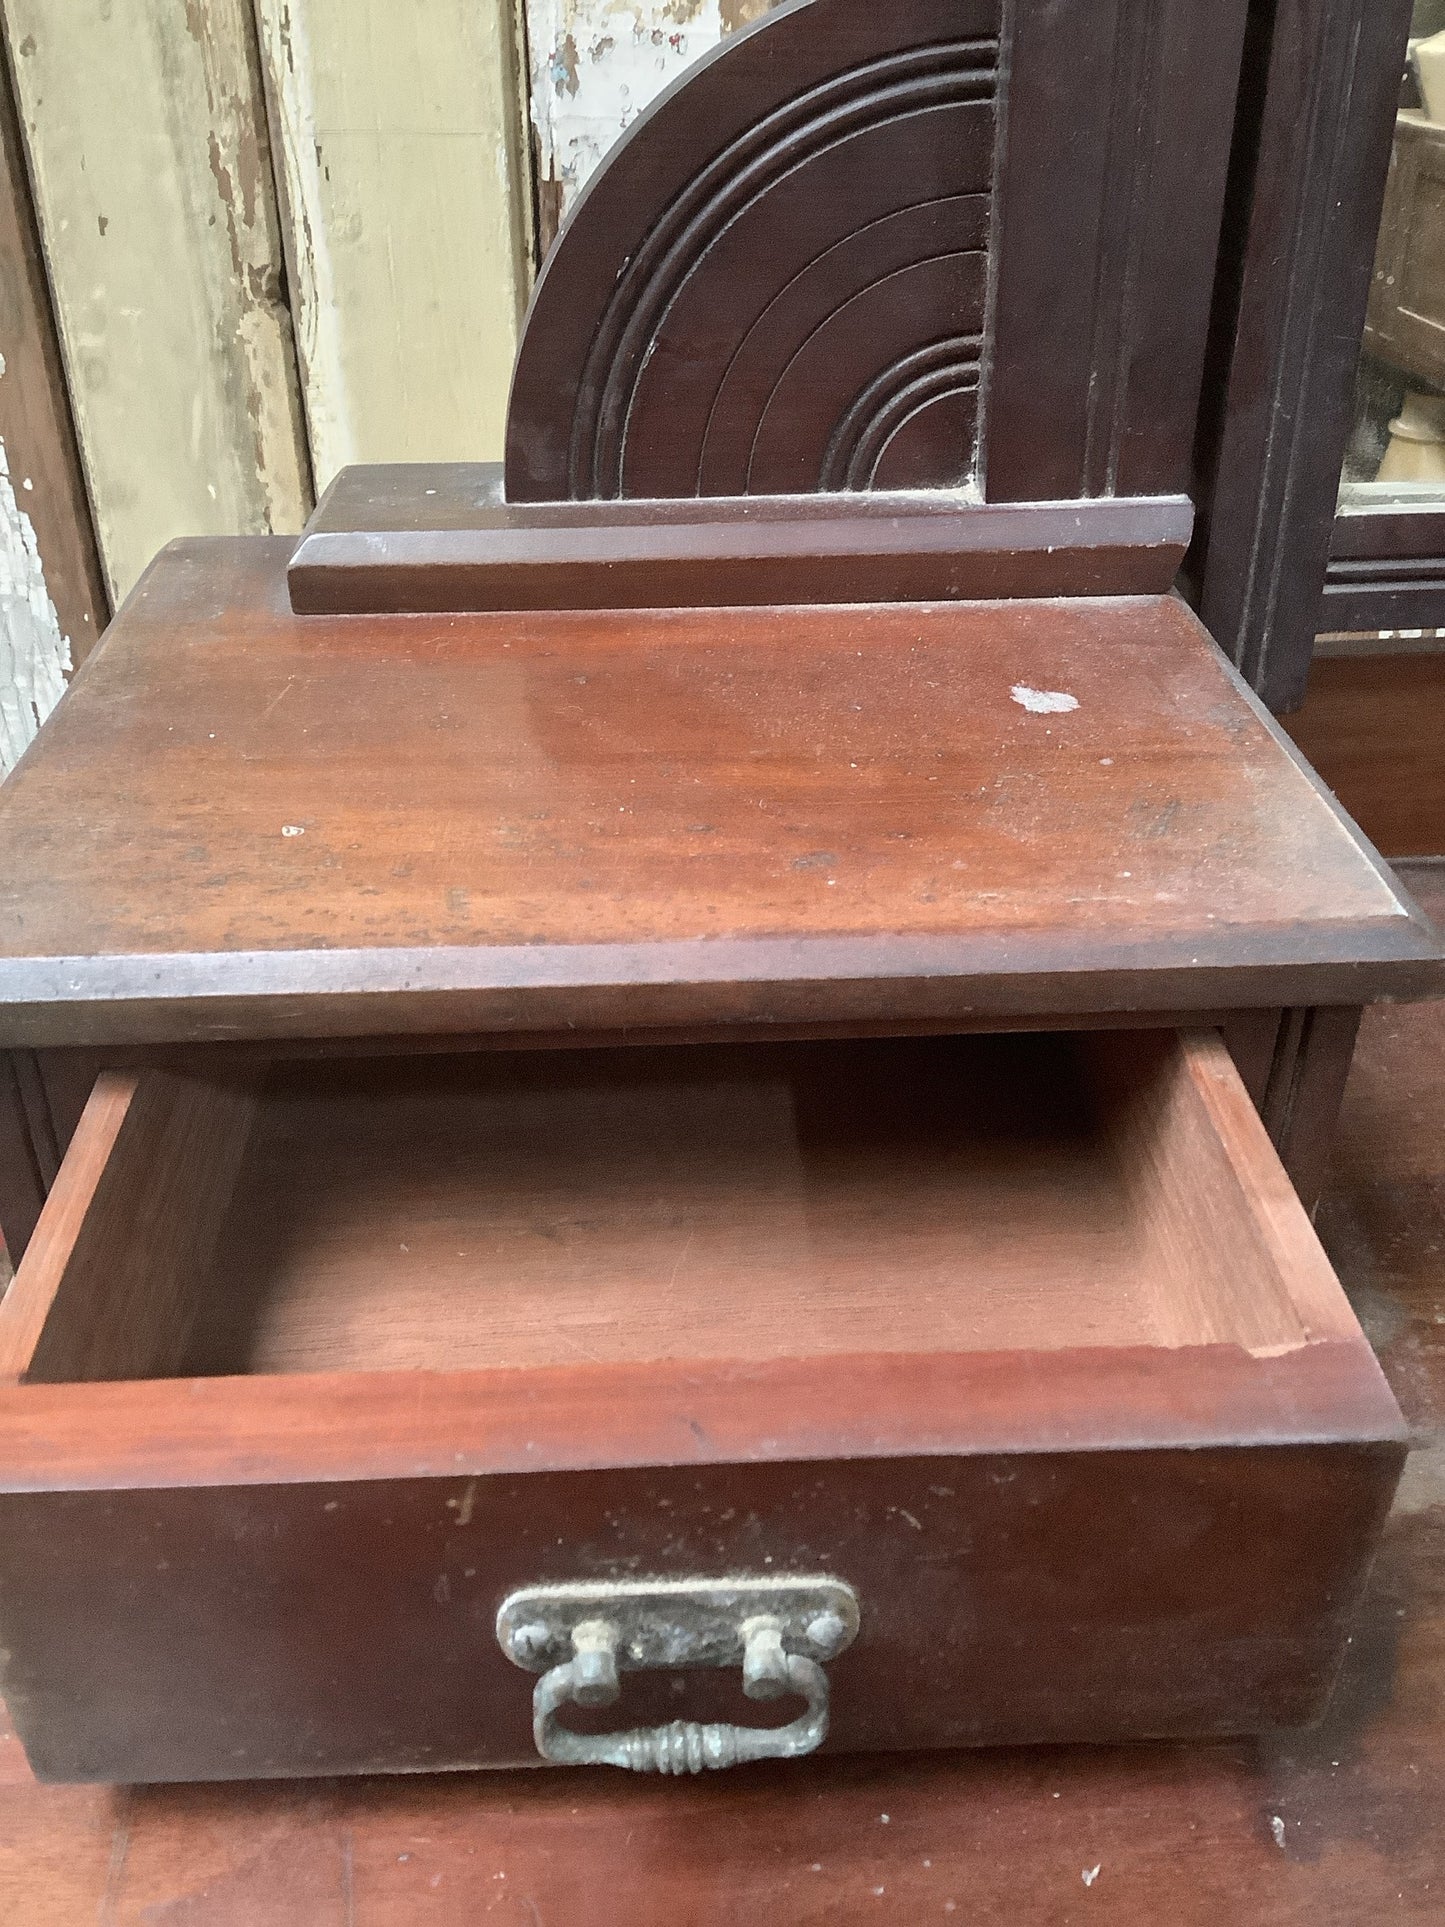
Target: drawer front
243 1631
1113 1467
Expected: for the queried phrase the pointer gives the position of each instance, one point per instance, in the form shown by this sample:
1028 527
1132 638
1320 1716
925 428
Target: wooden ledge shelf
434 537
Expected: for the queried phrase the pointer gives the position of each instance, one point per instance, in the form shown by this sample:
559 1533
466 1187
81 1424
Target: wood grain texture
309 1653
147 140
669 1247
399 146
1319 109
1183 1833
746 1202
438 537
1372 726
51 595
27 1162
777 281
114 1277
1111 188
314 826
1301 1102
794 272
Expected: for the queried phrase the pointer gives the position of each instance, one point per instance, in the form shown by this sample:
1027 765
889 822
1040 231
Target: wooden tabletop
243 822
1339 1827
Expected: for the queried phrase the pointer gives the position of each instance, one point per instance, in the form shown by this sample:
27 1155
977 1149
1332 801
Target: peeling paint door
595 64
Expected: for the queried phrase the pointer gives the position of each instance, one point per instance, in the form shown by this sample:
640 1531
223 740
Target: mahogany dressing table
660 1108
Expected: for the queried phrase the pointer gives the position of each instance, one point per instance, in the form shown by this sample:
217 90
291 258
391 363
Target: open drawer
1024 1341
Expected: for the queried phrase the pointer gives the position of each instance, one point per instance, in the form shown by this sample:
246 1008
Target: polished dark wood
430 537
243 822
1386 571
1184 1833
1312 151
828 259
1111 186
670 1311
1306 1085
777 282
1373 725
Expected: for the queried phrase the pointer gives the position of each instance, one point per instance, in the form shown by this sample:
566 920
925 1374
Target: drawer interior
750 1201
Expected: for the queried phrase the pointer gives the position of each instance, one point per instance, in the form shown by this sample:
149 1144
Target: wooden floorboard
1338 1827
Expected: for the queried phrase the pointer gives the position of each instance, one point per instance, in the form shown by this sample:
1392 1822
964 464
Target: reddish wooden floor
1340 1827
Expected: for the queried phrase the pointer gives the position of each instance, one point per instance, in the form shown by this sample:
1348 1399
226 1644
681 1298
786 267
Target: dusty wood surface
310 825
398 136
1331 1828
147 139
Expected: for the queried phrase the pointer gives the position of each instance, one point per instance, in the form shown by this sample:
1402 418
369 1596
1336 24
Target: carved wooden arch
902 246
777 282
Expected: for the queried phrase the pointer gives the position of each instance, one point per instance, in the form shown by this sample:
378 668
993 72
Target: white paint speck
1276 1827
293 829
884 1818
27 483
1091 1874
1106 762
1043 702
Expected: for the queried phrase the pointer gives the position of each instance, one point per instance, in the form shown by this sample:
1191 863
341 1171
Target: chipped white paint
146 135
399 140
316 313
1043 702
34 655
1276 1827
1091 1874
596 64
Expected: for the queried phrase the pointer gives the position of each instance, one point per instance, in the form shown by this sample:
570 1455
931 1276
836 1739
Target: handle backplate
579 1636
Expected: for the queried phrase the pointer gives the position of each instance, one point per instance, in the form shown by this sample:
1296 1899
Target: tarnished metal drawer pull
580 1637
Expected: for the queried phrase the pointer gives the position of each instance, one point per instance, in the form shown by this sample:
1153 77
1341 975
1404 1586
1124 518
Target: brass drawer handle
778 1630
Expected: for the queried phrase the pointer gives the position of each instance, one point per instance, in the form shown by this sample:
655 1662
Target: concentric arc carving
801 306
